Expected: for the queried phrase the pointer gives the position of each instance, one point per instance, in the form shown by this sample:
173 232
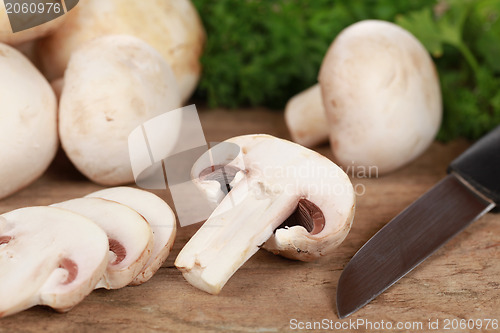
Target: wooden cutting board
272 294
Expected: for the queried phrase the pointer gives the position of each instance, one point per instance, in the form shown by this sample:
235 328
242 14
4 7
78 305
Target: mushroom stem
306 119
232 235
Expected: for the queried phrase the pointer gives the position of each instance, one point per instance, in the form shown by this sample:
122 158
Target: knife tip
342 313
348 299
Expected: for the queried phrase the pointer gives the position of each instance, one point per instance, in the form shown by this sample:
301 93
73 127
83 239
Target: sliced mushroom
172 27
278 177
48 256
112 85
28 122
159 216
130 238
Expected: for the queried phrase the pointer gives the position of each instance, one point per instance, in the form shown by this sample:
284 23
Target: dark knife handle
480 165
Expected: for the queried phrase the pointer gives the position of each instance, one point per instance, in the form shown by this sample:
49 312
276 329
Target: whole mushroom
172 27
381 97
112 85
28 126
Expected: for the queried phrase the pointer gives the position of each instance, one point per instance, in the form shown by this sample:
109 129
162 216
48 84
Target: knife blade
470 190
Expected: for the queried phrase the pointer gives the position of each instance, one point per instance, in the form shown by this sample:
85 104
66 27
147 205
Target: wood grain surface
460 281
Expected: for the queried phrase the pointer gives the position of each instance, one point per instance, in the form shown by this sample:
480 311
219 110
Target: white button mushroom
157 213
279 177
28 126
48 256
129 235
112 85
173 27
381 96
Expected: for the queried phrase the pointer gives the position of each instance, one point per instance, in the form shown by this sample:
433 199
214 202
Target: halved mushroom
130 238
159 216
279 177
48 256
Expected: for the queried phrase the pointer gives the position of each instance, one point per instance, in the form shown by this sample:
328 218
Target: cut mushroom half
157 213
129 236
283 186
48 256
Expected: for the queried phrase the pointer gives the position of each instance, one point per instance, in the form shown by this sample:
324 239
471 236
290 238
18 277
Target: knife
470 190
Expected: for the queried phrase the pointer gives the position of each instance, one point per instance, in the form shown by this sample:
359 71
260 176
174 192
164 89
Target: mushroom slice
157 213
129 235
279 177
48 256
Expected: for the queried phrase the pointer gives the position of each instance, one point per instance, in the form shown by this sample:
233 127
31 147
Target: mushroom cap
277 176
129 235
157 213
112 85
172 27
48 256
28 126
8 37
381 94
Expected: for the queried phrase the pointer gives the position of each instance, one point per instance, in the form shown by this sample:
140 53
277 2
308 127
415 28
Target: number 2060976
471 324
33 8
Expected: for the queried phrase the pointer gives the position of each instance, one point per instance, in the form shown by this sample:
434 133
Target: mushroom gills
307 215
223 174
71 267
5 239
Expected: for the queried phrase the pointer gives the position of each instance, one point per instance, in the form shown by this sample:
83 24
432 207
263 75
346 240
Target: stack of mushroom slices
57 255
